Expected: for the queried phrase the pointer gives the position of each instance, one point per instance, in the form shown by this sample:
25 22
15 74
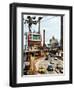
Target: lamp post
39 24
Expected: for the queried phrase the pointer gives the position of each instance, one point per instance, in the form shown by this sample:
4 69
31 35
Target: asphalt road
51 60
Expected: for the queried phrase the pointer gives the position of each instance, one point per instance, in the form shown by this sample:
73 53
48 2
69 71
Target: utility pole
43 38
30 20
61 42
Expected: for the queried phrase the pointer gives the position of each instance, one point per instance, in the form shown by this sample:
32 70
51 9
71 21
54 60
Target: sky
51 24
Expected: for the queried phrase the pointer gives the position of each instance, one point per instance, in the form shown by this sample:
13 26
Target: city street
41 62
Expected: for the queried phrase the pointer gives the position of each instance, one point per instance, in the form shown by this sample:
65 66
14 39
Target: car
42 70
50 68
51 62
61 70
55 58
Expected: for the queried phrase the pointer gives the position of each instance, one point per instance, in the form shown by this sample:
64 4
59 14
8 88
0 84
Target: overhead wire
50 18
